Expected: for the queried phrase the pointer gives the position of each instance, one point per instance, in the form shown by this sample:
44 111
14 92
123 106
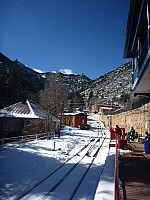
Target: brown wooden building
102 109
74 119
26 116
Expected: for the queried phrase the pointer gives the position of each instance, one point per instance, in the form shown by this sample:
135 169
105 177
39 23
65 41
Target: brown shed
14 118
75 119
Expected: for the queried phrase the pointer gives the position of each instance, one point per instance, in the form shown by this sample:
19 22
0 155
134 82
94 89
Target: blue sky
83 36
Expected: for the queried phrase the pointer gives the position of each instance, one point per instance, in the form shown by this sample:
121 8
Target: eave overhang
136 16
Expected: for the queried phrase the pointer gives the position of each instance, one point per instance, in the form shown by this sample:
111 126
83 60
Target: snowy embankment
23 165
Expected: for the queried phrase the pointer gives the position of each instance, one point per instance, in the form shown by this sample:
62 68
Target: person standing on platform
132 134
118 131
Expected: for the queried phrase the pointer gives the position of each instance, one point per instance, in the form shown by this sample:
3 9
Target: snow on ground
22 165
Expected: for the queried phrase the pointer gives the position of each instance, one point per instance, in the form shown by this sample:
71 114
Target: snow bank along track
57 178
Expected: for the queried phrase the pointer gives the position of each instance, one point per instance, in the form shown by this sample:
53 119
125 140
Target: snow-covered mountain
22 82
74 82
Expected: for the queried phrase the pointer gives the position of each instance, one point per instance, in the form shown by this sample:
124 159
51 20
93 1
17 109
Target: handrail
116 197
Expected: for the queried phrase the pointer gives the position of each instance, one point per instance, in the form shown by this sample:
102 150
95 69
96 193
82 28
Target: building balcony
141 74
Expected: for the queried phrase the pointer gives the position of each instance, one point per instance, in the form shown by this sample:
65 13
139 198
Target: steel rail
58 168
84 175
69 172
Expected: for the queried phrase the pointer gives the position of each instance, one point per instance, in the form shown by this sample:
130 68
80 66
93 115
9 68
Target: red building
74 119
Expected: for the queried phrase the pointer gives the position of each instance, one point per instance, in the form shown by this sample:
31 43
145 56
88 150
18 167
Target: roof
136 16
74 113
26 109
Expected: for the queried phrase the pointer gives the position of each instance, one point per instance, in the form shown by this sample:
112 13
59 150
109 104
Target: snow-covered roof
106 107
74 113
27 109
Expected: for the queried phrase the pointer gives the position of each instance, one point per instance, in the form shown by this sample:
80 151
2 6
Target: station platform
105 189
134 172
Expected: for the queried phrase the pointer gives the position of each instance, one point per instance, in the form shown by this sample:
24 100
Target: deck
134 172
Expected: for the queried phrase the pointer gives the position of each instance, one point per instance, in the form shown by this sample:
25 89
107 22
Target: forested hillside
18 82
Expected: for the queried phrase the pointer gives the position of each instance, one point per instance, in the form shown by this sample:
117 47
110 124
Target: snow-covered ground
24 165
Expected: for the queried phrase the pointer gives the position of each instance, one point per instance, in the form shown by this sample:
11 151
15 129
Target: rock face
113 88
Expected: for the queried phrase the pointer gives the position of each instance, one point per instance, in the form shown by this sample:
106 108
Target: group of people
131 134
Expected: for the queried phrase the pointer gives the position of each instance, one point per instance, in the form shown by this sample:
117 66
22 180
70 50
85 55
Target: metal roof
26 109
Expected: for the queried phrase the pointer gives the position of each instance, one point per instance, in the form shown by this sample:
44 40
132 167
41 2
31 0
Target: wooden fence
24 138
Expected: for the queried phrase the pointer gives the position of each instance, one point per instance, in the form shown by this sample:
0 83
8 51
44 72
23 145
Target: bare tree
54 96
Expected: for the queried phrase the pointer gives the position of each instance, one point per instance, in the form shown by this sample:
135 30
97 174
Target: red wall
80 119
75 120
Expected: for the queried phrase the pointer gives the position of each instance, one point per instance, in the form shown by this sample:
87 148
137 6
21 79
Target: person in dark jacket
147 137
118 131
132 134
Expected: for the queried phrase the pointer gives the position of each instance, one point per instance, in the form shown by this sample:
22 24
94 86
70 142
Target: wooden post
148 23
116 175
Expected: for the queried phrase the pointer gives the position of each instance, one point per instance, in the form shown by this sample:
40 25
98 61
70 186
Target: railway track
51 185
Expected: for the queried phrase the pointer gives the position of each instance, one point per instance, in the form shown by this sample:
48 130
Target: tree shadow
21 168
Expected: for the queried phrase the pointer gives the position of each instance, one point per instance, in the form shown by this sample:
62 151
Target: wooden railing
23 138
